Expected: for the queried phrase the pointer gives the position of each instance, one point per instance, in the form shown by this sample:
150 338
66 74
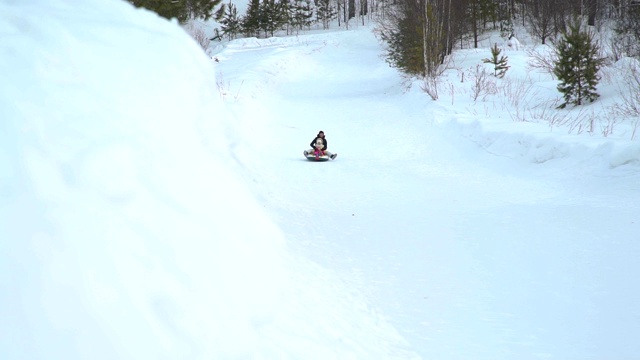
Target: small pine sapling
499 62
577 66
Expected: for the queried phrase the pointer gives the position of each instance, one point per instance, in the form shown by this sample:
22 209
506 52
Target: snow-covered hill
155 204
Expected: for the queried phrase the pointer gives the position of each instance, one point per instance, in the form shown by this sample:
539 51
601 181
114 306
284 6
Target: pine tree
301 14
273 16
200 8
577 66
405 46
230 22
325 12
251 20
500 66
181 10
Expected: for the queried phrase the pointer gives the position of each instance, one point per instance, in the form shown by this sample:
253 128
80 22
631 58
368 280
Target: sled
312 157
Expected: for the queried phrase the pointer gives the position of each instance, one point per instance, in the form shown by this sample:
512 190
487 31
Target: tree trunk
592 9
425 34
352 8
474 24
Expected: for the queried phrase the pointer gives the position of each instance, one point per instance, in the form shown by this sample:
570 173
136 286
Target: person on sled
319 147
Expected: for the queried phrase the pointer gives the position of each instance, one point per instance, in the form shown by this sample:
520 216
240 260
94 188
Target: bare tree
541 14
630 94
198 34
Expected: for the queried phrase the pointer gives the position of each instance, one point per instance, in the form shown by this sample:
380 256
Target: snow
155 203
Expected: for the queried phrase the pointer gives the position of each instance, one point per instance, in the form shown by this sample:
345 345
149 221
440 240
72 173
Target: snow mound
125 230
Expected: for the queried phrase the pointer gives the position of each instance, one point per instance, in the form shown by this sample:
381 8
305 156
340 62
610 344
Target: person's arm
324 141
313 143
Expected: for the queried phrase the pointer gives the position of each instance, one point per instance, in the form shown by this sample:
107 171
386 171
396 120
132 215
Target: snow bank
123 231
534 143
126 230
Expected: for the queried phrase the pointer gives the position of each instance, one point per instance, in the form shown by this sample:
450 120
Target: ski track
452 290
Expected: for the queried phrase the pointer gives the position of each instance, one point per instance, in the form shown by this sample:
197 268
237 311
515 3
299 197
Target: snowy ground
476 244
156 204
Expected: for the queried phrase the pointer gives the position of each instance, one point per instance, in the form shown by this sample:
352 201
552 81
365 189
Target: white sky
156 204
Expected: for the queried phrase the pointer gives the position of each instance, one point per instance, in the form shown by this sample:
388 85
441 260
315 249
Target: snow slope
477 236
156 204
125 232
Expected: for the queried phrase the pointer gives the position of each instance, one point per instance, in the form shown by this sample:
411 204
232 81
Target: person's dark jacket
313 143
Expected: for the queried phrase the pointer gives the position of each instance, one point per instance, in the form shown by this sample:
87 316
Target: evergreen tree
251 21
273 16
489 12
577 66
181 10
285 14
230 23
301 14
405 46
499 62
200 8
419 34
325 12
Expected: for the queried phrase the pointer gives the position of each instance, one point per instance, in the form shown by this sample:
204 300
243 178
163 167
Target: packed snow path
471 254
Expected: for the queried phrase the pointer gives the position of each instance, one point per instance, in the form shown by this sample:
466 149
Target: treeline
267 17
264 18
421 33
440 24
